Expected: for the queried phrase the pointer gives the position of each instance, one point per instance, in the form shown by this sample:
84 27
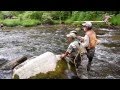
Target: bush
11 22
30 22
47 19
1 21
68 21
32 15
16 22
115 20
56 15
83 16
56 21
75 16
1 16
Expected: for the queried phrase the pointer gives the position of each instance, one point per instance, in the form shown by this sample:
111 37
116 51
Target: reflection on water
16 42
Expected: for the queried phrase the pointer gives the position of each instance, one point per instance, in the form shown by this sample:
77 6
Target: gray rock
3 61
13 63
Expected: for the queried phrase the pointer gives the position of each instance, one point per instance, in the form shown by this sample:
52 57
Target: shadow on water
33 41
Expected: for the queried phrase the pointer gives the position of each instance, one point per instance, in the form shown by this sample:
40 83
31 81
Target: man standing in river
76 54
90 41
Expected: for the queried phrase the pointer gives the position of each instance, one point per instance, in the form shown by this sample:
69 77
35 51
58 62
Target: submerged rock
3 61
13 63
45 66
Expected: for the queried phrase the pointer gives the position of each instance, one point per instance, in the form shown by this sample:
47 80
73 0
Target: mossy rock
56 72
59 72
16 76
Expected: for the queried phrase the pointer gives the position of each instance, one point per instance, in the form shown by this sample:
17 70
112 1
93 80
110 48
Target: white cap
87 24
73 31
71 35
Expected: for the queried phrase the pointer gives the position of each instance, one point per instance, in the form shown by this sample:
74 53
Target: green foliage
16 22
16 76
6 13
31 18
1 21
68 21
30 22
115 20
32 15
1 16
11 22
56 15
47 18
81 16
55 21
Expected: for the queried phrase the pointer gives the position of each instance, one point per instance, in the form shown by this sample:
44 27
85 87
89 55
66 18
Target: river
33 41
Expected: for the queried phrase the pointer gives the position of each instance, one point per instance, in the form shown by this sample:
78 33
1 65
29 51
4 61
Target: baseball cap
73 31
71 35
87 24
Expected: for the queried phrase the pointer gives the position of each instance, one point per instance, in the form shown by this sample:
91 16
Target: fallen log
90 21
13 63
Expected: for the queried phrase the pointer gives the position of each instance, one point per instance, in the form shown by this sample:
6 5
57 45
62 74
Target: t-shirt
85 43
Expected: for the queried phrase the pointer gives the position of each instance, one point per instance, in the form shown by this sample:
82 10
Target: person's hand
80 38
62 56
98 41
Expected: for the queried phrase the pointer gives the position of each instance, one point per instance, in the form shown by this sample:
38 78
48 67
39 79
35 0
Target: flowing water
33 41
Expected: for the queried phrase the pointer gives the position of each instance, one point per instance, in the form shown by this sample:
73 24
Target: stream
34 41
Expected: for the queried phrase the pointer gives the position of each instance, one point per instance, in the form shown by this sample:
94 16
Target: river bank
34 18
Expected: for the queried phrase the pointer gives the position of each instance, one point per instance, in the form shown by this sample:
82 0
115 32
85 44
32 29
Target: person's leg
82 67
90 55
89 63
71 68
68 60
77 61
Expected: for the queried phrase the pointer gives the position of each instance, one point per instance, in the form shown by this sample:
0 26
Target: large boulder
45 66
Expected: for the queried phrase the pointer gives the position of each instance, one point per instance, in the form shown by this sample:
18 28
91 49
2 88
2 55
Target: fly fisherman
76 54
90 42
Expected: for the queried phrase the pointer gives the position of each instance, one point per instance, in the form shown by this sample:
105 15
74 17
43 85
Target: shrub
30 22
11 22
32 15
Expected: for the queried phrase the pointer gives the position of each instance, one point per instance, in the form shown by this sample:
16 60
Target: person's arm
86 41
64 55
80 38
98 41
69 50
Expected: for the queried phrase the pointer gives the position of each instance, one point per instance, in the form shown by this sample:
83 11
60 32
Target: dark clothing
80 63
90 55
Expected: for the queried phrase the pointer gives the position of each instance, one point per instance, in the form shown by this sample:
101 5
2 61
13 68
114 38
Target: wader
80 62
90 55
